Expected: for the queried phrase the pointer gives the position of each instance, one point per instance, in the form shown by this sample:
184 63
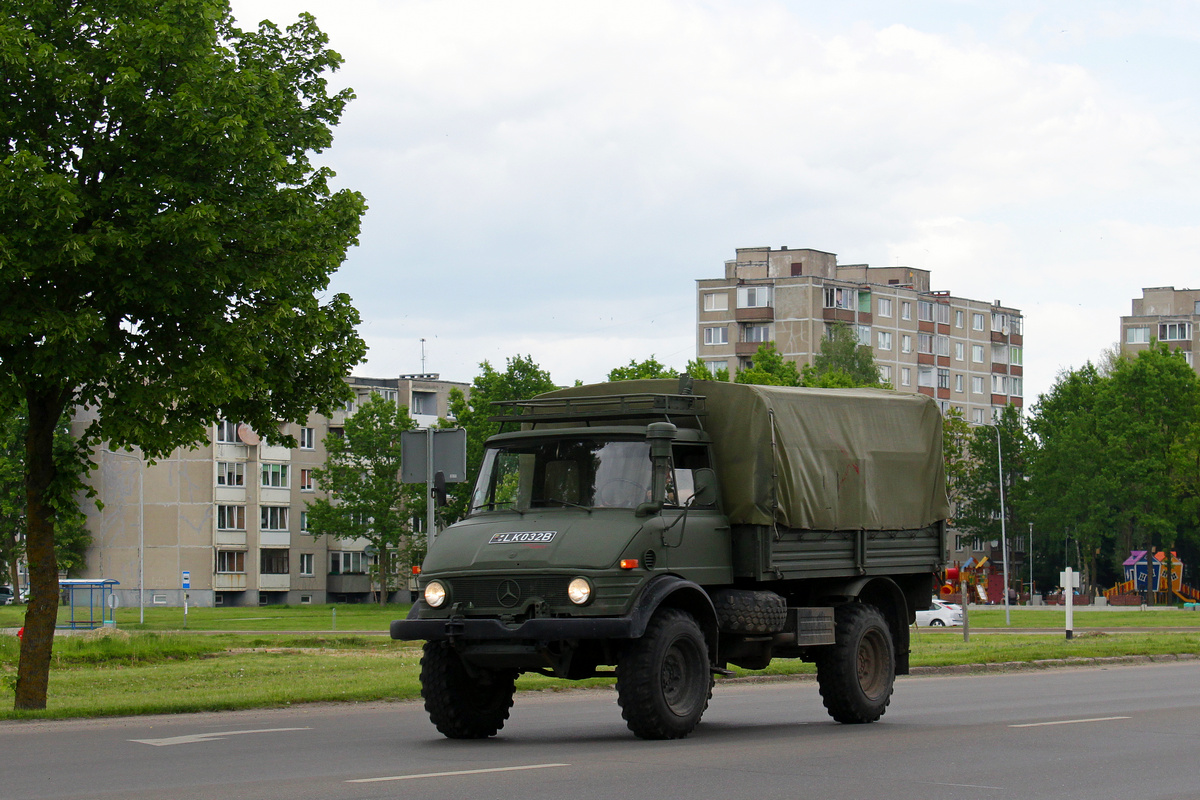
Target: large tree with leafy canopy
165 240
843 362
367 499
636 370
520 380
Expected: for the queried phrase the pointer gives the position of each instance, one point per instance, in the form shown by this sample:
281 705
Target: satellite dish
247 435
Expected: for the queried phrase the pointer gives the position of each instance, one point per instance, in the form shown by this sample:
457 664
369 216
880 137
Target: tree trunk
384 573
33 669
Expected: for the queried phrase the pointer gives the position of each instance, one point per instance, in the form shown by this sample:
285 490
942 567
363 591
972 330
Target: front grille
486 592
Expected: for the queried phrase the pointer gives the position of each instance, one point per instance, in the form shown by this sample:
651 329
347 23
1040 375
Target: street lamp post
141 534
1003 534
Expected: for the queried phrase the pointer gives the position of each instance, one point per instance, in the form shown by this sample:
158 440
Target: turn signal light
416 569
629 563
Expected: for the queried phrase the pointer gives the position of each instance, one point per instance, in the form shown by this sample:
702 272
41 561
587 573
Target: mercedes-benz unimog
661 532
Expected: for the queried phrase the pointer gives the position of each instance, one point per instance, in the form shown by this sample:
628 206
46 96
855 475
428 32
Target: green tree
366 498
698 369
71 535
650 368
521 380
842 363
956 436
770 368
165 240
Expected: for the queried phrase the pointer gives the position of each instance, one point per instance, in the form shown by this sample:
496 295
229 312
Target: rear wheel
936 623
857 674
462 704
663 679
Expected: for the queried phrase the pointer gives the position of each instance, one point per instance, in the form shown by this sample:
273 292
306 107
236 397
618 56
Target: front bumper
493 630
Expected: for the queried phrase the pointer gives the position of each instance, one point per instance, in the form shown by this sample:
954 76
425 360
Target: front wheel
856 675
663 679
463 705
936 623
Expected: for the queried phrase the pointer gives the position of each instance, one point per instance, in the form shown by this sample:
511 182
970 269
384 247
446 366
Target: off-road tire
746 611
461 704
664 680
856 675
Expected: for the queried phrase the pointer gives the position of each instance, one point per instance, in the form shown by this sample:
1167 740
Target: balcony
274 538
229 582
758 314
274 583
348 584
230 538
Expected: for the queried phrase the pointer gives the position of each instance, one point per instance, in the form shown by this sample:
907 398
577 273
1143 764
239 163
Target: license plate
522 537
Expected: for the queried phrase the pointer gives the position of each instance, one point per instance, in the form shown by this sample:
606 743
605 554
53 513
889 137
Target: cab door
696 537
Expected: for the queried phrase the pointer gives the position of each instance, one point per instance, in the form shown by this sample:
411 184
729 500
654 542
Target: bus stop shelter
91 602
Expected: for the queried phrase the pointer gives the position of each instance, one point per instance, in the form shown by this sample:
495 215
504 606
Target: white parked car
940 614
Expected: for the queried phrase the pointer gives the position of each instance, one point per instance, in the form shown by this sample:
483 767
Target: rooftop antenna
422 356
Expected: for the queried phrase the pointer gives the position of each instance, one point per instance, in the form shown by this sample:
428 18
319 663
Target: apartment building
231 514
1167 314
966 354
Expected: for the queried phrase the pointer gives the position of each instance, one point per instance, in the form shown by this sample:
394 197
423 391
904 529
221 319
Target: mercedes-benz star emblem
508 593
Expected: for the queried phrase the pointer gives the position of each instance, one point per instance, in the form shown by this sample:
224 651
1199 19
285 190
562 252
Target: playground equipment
1154 574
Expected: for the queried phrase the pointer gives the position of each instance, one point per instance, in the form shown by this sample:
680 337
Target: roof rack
601 409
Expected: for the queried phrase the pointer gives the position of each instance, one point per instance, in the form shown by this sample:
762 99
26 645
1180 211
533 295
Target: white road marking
1066 722
195 738
967 786
459 772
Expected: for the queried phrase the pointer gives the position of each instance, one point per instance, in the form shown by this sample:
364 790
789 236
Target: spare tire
746 611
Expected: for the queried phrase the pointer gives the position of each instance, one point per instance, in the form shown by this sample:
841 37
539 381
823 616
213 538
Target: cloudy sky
551 178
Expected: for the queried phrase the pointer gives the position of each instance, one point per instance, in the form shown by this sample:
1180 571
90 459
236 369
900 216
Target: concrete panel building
232 513
1167 314
966 354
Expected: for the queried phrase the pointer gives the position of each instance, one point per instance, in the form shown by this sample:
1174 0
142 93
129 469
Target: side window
681 485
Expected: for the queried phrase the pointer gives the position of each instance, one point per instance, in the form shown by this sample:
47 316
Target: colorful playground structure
1163 577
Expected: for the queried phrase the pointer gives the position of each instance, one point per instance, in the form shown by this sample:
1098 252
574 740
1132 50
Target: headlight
580 591
435 594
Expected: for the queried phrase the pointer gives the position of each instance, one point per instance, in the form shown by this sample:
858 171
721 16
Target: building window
227 432
307 439
306 564
905 343
943 313
942 345
347 563
1016 325
424 403
958 383
885 373
958 318
1174 331
925 343
958 351
716 335
885 306
756 333
925 376
716 301
925 311
231 561
231 473
1000 322
905 310
273 561
977 353
1138 335
943 378
716 366
839 297
977 416
905 376
999 384
304 522
977 384
977 322
306 480
999 354
885 340
754 296
1015 355
231 518
275 476
273 518
1015 386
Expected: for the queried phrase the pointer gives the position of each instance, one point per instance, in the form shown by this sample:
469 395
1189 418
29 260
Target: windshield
553 473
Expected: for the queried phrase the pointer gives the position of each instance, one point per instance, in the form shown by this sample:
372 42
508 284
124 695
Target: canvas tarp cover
821 459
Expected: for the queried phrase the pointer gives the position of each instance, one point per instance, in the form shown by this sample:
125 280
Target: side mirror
647 509
705 493
439 488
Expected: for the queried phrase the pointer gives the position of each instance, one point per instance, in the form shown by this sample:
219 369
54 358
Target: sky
549 179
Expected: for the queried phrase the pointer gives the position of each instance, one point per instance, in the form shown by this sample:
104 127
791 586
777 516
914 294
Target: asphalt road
1119 733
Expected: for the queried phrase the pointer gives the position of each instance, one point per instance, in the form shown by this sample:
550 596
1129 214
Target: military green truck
661 531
